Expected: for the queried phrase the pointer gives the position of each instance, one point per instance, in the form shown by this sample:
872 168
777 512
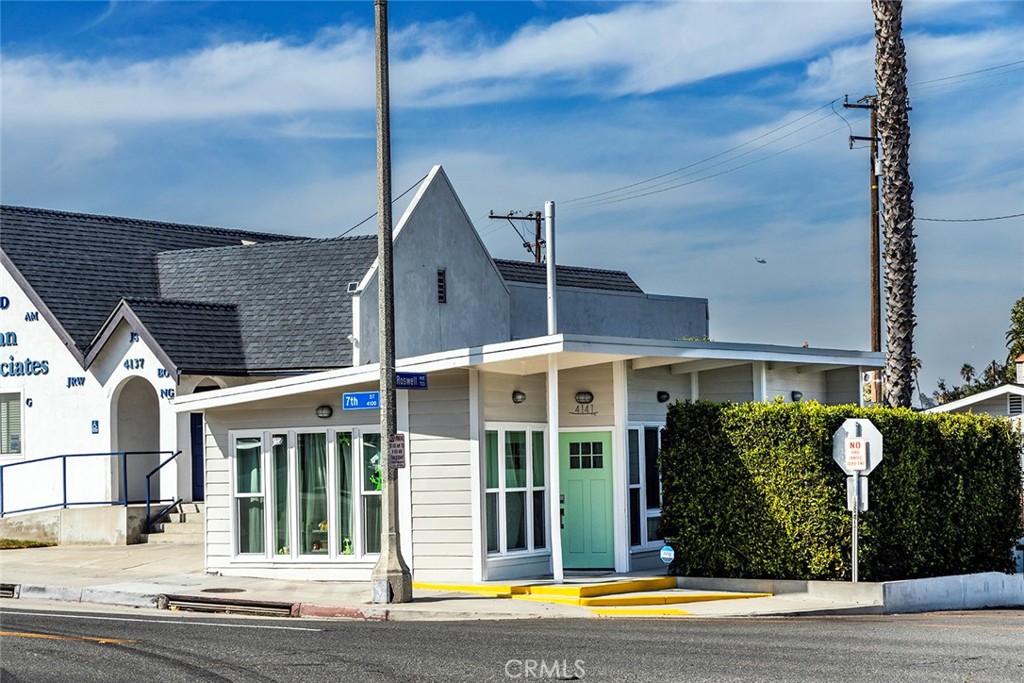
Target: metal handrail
122 498
150 517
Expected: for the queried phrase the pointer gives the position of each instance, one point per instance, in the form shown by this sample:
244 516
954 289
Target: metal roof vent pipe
549 238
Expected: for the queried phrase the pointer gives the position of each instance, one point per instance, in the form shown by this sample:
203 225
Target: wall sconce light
584 397
324 411
663 397
796 395
518 397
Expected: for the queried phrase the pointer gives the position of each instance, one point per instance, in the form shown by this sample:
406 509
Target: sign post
857 448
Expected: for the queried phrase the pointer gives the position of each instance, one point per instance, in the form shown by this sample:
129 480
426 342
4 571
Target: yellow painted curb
669 599
495 591
554 599
628 612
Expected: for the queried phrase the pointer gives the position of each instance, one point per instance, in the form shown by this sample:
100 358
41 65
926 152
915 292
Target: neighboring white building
529 453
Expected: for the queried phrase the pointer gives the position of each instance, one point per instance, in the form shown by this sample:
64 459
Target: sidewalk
137 575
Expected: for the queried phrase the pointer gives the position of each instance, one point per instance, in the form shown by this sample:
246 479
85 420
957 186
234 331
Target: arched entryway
137 431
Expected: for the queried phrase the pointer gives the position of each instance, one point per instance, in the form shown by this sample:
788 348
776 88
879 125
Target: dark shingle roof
568 276
82 265
294 312
196 336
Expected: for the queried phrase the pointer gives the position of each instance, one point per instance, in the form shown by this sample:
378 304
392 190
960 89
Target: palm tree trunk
897 197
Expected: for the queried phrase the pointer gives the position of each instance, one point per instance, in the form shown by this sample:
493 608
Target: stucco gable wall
436 234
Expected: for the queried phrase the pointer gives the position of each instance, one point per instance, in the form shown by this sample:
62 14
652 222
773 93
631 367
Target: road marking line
163 620
50 636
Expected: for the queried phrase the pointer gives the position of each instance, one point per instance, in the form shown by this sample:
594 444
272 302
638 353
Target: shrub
751 490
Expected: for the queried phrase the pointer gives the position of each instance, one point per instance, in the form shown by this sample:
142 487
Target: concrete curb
93 595
305 609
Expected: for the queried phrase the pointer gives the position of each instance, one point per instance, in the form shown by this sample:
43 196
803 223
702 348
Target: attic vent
1015 405
442 286
352 288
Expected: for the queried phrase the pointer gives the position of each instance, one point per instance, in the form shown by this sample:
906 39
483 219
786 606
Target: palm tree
967 372
897 197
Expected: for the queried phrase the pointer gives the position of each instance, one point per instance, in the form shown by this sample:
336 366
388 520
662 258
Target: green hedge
751 490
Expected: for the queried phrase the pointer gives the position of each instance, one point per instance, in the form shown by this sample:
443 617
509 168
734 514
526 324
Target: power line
720 173
969 220
392 201
968 73
710 158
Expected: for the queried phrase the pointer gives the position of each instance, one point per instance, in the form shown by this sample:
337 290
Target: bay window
304 495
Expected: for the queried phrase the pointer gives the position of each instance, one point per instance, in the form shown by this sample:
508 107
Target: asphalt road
51 646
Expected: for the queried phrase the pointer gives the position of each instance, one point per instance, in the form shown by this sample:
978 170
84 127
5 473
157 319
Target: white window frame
20 402
530 428
646 513
334 554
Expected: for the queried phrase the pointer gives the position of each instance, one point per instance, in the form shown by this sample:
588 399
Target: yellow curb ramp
665 599
567 593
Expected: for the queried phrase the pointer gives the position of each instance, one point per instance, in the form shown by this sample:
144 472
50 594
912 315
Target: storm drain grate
10 590
201 603
222 590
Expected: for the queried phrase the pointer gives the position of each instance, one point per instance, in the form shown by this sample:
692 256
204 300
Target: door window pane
250 525
515 460
538 458
539 521
651 465
373 481
634 456
311 454
373 472
515 520
492 459
372 522
634 517
492 523
343 449
654 529
247 457
282 501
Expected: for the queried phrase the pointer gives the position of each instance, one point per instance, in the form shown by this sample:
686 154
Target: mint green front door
585 471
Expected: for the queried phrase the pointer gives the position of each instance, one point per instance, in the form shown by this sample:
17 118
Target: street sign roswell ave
857 446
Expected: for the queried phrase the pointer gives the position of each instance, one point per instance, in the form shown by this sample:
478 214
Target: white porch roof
530 356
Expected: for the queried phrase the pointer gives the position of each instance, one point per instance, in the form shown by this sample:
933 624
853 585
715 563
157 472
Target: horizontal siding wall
597 379
497 394
642 392
735 383
784 381
843 386
439 458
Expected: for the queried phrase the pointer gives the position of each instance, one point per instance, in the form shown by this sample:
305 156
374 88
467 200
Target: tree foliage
995 373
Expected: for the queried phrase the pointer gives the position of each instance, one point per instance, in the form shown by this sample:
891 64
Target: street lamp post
391 578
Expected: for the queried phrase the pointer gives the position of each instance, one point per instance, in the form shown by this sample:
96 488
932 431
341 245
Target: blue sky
260 115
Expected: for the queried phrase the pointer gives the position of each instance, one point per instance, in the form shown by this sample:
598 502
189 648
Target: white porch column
554 485
620 454
476 483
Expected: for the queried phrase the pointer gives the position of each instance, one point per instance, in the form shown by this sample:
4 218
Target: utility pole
536 218
391 579
869 102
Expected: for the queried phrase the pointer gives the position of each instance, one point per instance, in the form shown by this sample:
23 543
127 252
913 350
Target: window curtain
248 452
344 451
282 521
312 474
